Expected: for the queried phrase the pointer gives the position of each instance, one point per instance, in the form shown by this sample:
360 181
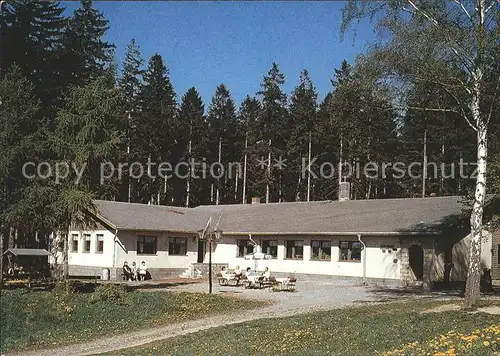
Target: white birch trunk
472 288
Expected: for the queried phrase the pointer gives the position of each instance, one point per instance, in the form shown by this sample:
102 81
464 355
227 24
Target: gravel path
310 296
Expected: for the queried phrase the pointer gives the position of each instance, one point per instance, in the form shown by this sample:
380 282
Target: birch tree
453 44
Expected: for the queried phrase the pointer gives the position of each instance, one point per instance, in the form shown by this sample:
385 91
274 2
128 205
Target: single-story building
387 240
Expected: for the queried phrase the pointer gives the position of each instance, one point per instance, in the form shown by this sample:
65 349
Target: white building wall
380 263
127 250
92 258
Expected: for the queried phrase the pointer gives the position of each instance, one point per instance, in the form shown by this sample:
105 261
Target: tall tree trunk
308 174
188 182
217 194
1 257
424 174
268 172
243 195
129 193
472 288
10 243
65 255
297 194
236 186
340 164
441 183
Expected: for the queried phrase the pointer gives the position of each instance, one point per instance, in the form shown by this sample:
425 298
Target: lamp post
209 235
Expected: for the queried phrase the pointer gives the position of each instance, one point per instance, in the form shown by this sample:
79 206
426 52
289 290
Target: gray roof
132 216
377 216
27 252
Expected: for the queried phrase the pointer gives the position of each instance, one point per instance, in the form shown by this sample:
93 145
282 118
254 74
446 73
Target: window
99 247
270 247
245 247
74 243
294 249
177 245
350 251
146 245
86 243
320 250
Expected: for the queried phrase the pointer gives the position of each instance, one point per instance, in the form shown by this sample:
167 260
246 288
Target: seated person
127 271
134 271
266 274
250 275
224 273
237 271
142 271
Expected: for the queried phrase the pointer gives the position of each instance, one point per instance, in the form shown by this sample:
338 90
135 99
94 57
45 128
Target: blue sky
208 43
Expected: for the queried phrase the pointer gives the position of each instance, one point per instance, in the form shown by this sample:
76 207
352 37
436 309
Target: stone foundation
407 276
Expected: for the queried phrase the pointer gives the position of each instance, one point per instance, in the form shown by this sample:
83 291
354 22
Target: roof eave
335 233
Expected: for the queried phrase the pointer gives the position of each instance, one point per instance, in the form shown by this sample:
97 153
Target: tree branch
439 110
459 2
488 8
468 64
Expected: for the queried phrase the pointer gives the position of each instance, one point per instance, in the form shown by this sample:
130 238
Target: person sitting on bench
266 274
127 271
143 271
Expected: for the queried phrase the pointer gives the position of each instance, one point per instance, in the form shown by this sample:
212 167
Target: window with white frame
321 250
350 251
99 246
146 245
86 243
177 246
294 249
270 247
245 247
74 243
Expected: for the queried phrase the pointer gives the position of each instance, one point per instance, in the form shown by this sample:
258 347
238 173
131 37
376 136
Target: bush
109 293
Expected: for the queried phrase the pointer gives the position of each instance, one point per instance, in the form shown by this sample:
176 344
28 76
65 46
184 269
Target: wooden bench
222 281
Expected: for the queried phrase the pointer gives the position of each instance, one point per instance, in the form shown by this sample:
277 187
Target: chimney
344 191
255 200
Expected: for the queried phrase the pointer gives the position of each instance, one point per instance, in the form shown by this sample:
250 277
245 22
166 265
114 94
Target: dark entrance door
417 261
201 251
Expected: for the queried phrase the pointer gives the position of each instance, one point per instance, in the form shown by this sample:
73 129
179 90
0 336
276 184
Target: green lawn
30 319
365 330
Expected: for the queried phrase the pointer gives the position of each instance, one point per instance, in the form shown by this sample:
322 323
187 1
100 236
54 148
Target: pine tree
223 127
327 148
154 130
20 142
130 84
303 118
194 129
89 132
249 115
273 129
85 53
32 39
